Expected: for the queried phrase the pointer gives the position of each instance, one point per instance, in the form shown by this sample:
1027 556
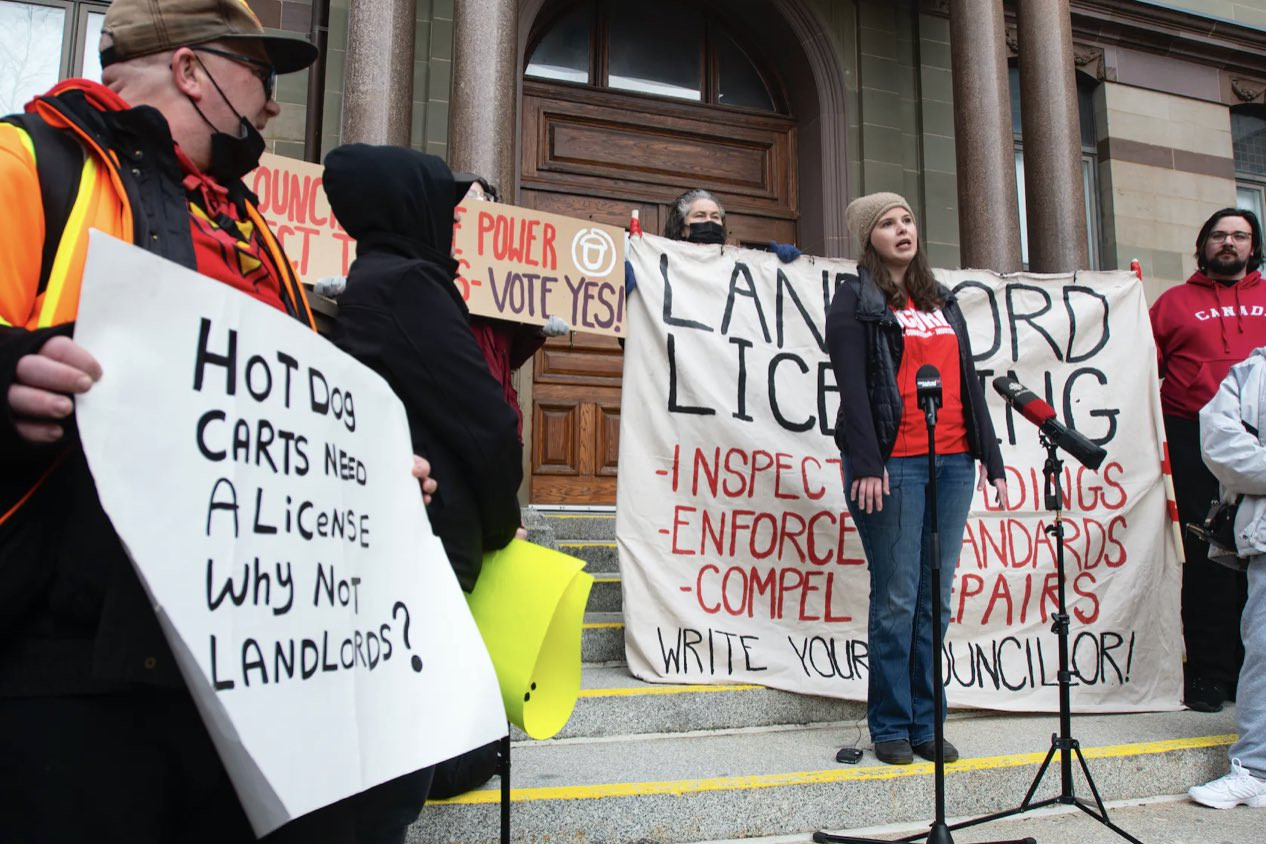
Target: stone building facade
1047 134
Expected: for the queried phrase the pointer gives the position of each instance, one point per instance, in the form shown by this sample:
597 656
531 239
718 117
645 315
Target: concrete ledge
613 702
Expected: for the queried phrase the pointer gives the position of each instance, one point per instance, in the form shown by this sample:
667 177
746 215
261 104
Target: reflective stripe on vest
289 281
85 197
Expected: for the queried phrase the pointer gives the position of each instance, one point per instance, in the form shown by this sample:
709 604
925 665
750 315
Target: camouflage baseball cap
135 28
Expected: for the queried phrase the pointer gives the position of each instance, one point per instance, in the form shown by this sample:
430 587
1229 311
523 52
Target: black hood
393 198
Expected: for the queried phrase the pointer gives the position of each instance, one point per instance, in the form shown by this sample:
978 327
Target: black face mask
232 156
706 232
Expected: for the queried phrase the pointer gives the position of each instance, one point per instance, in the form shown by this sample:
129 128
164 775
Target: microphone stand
939 833
1063 741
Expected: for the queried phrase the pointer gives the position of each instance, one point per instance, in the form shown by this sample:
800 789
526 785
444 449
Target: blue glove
630 280
786 252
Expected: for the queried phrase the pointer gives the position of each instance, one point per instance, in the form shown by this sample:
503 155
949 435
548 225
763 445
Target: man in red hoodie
1202 328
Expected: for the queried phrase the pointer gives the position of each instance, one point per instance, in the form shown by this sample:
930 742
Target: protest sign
292 200
525 265
516 264
260 480
739 560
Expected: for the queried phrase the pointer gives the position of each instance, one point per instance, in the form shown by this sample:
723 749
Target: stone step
613 702
606 594
764 781
602 637
1167 819
599 557
591 525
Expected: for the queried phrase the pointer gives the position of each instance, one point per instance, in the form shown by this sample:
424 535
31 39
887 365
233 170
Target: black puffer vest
884 347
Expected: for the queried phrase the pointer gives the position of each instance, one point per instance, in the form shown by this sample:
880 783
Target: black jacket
403 316
863 333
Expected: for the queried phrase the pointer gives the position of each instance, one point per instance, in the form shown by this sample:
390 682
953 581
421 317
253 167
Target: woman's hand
869 492
999 486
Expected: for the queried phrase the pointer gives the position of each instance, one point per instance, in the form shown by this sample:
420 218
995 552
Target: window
657 47
1089 164
1248 142
44 41
563 52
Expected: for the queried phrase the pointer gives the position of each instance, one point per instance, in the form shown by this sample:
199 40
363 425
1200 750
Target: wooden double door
598 155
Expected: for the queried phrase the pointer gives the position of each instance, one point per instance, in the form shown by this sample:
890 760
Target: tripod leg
1103 819
1037 779
1090 781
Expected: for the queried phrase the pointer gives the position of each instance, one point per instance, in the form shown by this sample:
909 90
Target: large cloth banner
259 478
740 562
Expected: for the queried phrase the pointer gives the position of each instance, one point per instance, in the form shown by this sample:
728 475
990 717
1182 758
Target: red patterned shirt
226 244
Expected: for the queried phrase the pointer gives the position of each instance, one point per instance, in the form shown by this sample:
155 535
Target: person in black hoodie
403 316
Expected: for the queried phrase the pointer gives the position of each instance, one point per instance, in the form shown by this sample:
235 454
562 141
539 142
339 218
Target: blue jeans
897 540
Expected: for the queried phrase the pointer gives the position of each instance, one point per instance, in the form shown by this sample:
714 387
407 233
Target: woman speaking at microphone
884 324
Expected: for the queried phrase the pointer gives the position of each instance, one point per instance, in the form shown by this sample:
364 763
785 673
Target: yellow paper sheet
529 603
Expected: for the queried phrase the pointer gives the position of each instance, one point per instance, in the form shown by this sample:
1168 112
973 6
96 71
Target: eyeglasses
1240 238
264 70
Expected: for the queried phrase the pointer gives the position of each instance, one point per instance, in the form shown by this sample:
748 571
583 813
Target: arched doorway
625 107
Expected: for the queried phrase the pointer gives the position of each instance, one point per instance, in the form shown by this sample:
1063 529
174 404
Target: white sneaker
1229 791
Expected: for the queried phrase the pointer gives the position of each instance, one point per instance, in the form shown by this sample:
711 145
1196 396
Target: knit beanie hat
862 213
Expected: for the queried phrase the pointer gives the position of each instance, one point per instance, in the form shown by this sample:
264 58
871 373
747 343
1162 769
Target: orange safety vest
100 202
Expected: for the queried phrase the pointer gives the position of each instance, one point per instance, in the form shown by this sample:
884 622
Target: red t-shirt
929 338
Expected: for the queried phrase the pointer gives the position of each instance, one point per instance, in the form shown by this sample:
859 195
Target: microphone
927 390
1042 415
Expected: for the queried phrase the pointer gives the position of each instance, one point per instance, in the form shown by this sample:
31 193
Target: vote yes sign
526 266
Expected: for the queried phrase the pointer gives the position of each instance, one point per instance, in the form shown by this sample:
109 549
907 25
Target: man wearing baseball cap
100 739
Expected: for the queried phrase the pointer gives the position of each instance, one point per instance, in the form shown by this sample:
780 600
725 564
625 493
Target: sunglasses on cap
264 70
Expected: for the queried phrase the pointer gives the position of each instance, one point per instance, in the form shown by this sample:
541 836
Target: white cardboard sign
259 478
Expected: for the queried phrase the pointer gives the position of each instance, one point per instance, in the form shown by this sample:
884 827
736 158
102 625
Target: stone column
1053 191
482 112
988 209
378 76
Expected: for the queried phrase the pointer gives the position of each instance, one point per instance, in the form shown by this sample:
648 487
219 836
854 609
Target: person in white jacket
1234 449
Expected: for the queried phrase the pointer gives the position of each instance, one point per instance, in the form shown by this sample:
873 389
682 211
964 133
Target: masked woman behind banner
696 217
884 324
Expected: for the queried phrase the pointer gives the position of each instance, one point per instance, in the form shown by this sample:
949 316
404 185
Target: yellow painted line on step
678 788
580 515
666 690
586 545
601 625
597 579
